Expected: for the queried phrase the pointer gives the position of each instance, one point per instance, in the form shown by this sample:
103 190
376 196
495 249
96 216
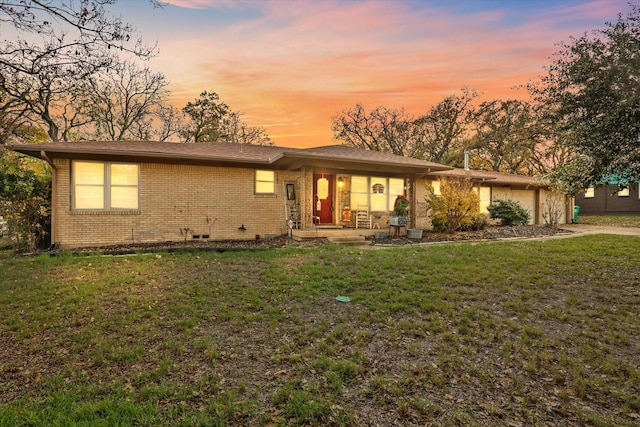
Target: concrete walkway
601 229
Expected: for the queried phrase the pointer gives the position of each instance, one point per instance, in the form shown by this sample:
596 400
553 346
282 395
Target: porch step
334 235
347 240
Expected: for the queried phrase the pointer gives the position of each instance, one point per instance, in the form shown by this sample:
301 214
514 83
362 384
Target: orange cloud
291 66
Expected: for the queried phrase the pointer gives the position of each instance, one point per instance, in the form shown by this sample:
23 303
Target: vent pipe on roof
466 160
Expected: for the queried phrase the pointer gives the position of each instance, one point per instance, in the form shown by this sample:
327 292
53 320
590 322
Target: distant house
122 192
609 199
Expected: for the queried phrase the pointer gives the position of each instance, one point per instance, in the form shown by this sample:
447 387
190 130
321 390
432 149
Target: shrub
456 207
480 222
552 210
25 202
509 212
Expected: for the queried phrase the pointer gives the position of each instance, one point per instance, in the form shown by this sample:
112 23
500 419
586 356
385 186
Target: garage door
527 198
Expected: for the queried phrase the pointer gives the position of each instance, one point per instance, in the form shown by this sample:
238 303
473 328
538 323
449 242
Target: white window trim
390 198
106 186
256 181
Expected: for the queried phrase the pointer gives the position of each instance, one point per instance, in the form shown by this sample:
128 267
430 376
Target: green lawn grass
501 333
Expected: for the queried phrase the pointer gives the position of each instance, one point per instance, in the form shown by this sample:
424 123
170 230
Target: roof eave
68 152
368 163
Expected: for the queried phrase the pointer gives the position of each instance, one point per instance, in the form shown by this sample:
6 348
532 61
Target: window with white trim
359 191
265 182
396 188
379 193
105 185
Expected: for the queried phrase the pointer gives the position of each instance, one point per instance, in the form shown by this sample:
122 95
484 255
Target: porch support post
306 212
412 200
537 208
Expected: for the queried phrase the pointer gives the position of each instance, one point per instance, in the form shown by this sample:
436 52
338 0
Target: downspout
46 158
536 220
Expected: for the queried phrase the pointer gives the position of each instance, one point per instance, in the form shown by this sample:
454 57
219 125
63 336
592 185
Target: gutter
31 150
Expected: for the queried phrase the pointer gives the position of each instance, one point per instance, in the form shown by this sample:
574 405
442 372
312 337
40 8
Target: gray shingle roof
220 152
495 177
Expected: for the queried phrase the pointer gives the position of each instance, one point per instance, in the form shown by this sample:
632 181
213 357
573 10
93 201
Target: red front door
323 198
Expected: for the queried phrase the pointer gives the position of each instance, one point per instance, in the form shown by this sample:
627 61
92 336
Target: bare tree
171 123
206 115
55 45
237 131
443 131
122 101
71 33
506 136
382 129
13 117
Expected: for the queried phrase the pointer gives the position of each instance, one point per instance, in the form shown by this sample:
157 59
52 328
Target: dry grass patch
507 333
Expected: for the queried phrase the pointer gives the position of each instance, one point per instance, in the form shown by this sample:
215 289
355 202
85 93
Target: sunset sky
292 65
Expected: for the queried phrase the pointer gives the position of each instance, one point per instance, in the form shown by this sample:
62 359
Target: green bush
480 222
25 201
509 212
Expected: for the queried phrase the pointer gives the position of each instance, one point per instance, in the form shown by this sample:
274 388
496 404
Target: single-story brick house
122 192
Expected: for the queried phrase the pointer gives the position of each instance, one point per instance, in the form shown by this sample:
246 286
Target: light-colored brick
176 202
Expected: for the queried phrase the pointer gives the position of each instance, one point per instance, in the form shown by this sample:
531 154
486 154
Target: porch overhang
296 161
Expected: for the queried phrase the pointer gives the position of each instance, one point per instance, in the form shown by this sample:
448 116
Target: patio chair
363 219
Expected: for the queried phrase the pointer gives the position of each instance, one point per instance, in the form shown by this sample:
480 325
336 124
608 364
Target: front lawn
501 333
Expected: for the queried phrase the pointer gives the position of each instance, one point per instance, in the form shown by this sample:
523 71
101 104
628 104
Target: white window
359 191
105 185
379 193
396 188
265 182
590 193
624 192
124 186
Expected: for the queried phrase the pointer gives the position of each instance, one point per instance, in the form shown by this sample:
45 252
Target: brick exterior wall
176 201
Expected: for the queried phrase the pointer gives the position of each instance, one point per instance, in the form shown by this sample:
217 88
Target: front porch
337 234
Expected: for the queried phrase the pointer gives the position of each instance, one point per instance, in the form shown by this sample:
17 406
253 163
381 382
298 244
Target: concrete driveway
601 229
